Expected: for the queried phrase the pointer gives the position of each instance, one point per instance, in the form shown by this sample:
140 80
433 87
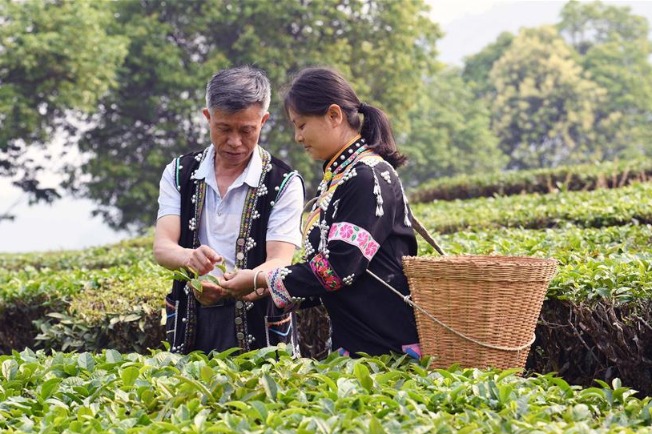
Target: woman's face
317 134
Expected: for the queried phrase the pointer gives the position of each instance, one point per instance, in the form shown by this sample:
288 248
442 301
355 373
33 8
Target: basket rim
501 259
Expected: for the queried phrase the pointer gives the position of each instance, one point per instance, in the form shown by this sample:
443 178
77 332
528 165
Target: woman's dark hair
313 90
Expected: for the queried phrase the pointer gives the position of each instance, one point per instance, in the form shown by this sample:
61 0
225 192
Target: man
232 203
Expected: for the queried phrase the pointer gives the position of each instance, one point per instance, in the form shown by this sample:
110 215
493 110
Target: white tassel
379 196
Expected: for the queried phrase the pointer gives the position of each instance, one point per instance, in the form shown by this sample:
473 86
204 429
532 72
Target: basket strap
421 230
406 298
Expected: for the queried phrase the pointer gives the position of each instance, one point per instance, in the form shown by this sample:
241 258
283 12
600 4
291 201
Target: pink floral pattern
356 236
324 272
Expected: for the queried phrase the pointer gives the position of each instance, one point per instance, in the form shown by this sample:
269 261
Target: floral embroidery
370 250
356 236
323 271
363 238
346 231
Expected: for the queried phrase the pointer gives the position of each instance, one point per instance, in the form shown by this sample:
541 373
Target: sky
468 25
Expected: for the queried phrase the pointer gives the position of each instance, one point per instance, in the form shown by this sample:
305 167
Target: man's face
235 134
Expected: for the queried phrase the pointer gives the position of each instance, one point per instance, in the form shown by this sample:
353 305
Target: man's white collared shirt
220 219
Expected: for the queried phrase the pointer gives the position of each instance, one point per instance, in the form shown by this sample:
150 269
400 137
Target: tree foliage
614 48
601 108
544 107
450 132
385 48
478 66
133 73
55 59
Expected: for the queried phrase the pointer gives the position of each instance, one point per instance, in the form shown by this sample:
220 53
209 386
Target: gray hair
238 88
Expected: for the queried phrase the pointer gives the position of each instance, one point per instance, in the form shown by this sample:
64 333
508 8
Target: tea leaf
129 375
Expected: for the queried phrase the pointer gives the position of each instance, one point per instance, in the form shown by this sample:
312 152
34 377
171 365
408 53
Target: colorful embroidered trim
249 211
412 350
342 352
356 236
280 295
330 182
281 188
324 273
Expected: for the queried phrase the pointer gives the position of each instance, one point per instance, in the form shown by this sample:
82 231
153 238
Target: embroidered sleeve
322 269
352 236
356 236
364 219
280 295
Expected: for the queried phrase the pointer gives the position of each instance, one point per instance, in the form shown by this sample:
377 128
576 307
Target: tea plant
598 208
194 279
565 178
269 391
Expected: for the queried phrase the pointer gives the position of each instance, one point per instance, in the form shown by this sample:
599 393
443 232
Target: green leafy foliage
124 252
194 279
564 178
605 265
175 47
270 391
578 92
102 297
450 132
544 106
119 309
57 60
598 208
613 46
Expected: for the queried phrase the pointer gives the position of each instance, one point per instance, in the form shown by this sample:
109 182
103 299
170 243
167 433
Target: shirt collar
250 176
254 169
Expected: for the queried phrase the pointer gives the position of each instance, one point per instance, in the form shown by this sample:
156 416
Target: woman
360 221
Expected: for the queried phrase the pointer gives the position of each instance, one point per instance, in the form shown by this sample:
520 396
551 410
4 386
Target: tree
56 60
385 48
544 107
478 66
586 25
614 47
450 132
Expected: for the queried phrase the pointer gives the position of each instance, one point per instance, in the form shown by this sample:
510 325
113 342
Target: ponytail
377 132
313 90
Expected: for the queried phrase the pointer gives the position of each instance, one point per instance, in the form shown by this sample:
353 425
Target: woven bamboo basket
477 311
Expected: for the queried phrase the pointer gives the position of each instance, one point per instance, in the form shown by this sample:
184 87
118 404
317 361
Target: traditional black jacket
360 221
247 327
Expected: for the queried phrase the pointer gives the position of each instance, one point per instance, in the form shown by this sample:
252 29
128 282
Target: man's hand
239 283
257 294
210 295
253 296
202 260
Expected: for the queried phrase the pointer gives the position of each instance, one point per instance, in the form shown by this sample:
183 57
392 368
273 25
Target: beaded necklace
335 174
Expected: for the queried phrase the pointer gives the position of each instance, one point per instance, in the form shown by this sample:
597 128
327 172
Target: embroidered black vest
250 249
